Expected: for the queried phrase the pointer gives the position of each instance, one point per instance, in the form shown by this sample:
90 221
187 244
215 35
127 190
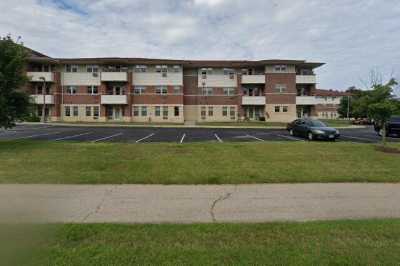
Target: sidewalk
197 204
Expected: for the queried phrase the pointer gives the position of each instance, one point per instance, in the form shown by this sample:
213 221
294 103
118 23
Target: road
177 135
197 203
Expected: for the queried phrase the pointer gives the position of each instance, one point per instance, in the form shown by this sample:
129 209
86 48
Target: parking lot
177 135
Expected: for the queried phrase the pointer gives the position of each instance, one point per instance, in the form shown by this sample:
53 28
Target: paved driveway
197 203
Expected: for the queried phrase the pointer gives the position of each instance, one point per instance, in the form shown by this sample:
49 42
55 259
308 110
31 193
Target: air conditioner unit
95 74
164 75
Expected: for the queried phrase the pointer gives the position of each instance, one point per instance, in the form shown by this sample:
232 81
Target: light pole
348 107
44 99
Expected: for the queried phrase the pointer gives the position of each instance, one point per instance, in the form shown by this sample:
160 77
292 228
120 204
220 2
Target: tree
14 103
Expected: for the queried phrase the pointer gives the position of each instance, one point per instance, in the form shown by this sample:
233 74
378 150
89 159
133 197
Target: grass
371 242
201 163
336 122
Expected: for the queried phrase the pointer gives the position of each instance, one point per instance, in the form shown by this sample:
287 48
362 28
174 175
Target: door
117 112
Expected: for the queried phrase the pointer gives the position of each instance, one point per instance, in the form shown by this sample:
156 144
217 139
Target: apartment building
173 91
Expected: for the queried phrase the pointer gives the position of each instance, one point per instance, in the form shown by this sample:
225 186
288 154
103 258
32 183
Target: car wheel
291 132
310 136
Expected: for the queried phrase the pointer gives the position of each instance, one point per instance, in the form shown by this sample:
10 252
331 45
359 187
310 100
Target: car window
316 123
395 119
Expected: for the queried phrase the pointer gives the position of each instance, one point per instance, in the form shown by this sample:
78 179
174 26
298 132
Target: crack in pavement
98 207
220 199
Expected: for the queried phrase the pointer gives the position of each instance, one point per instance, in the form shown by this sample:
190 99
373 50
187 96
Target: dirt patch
390 150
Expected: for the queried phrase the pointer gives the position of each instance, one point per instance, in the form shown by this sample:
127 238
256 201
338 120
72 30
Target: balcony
35 76
314 100
253 100
306 79
114 99
114 76
38 99
253 79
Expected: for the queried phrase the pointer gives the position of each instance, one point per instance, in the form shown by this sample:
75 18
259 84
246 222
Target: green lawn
336 122
201 163
373 242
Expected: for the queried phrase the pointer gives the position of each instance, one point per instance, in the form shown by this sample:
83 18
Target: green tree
14 103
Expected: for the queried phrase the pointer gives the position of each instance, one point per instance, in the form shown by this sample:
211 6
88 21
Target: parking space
176 135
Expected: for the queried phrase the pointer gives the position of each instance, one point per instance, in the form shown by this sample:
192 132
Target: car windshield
316 123
395 119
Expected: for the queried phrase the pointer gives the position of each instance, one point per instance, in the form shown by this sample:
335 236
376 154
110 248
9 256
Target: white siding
35 76
156 79
82 79
306 79
217 80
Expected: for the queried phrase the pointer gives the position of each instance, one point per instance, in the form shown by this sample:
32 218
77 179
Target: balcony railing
253 100
313 100
114 76
253 79
306 79
39 99
36 76
114 99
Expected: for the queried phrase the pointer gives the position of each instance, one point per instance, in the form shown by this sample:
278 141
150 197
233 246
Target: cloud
352 37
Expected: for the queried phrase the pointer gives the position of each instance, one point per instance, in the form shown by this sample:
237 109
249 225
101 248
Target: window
88 111
76 111
203 112
229 72
210 111
67 110
284 109
144 111
71 90
162 69
92 90
207 91
161 90
232 113
281 88
96 112
140 69
118 90
71 68
177 90
224 110
205 72
177 69
165 112
229 91
158 111
135 110
277 109
280 68
176 110
92 69
139 90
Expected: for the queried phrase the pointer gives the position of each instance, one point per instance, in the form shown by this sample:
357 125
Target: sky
351 37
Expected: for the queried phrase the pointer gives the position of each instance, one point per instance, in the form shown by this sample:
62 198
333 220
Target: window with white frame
143 110
210 111
92 69
165 112
71 90
176 68
225 111
281 88
229 72
203 112
88 111
157 111
284 109
161 90
135 110
140 68
277 109
75 111
96 111
232 113
177 90
205 72
139 90
280 68
162 69
71 68
229 91
176 110
67 111
207 91
93 90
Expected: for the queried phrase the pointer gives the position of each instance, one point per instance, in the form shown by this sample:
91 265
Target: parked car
312 129
362 121
392 127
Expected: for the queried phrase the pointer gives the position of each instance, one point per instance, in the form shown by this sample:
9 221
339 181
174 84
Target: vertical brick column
57 93
239 97
129 93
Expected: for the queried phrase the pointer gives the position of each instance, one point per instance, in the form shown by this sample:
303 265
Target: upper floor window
71 68
177 90
207 91
229 91
161 90
176 68
92 90
139 90
205 72
71 90
281 88
141 68
280 68
162 69
92 69
229 72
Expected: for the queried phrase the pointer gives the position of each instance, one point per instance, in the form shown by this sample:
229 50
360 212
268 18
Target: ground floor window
210 111
67 110
165 112
158 111
144 111
284 109
176 110
135 110
277 109
203 112
88 111
76 111
224 111
232 113
96 111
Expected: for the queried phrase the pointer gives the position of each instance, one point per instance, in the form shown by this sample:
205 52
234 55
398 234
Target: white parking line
358 138
218 138
252 137
139 140
183 137
289 137
37 135
109 137
73 136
